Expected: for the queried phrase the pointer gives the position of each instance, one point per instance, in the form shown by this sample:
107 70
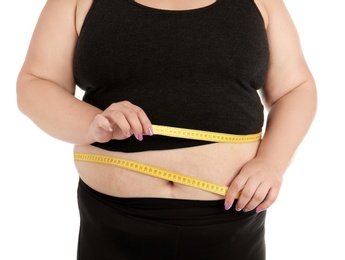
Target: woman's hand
119 121
258 183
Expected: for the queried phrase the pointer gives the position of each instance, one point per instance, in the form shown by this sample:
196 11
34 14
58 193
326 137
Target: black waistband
166 210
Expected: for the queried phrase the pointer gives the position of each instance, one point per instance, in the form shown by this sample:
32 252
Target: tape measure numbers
170 175
152 171
204 135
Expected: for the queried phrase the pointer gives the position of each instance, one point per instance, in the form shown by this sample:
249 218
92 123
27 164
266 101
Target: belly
218 163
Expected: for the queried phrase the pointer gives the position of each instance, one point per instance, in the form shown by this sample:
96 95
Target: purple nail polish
227 206
150 131
258 210
140 137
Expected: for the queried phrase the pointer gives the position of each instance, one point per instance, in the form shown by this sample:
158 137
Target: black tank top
198 69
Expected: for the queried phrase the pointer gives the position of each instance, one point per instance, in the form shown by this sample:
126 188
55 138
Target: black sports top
198 69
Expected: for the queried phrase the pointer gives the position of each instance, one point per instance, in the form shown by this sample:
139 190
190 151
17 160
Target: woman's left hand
258 184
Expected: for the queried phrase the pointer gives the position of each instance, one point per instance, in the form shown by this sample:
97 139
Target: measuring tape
152 171
170 175
204 135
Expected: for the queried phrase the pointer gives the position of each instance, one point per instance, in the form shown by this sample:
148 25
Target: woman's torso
218 163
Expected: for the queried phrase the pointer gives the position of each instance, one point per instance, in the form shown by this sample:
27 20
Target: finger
235 188
258 197
146 126
102 122
102 131
145 122
118 120
247 193
268 201
132 118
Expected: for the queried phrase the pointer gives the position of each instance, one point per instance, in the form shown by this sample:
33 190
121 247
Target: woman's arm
290 97
45 86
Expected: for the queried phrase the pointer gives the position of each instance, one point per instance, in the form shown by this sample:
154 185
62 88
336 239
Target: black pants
164 229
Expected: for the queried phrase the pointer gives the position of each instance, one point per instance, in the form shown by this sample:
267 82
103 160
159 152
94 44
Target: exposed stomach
218 163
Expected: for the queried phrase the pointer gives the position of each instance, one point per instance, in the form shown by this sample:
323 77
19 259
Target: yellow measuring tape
152 171
204 135
170 175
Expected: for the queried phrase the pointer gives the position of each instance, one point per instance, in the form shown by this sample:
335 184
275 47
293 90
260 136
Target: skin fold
46 94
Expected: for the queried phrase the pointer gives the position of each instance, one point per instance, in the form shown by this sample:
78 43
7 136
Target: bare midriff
218 163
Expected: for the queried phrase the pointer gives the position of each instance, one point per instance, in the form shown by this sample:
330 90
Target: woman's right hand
120 121
46 84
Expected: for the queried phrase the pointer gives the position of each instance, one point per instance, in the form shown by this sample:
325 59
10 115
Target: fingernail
140 137
110 129
245 210
258 210
238 209
227 206
128 134
150 131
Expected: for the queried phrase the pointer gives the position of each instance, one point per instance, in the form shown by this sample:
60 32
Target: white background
38 207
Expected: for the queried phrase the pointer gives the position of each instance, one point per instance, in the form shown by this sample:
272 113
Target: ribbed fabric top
197 69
